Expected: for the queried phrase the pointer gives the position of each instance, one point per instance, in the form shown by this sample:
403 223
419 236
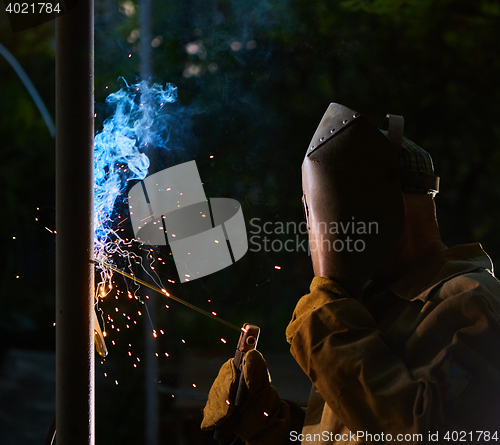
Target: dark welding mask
353 178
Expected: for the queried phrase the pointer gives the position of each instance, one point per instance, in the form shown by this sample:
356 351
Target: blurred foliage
256 77
27 172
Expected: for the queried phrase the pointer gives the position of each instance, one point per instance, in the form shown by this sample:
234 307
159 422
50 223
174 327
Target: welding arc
168 295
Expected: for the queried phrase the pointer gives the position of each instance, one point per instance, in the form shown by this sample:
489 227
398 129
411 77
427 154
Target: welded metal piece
74 223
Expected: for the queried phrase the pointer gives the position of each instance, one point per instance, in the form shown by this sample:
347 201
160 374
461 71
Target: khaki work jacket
418 363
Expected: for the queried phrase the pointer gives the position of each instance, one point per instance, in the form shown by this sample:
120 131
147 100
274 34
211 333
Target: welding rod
166 294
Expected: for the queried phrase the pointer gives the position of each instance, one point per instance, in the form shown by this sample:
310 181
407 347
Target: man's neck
410 253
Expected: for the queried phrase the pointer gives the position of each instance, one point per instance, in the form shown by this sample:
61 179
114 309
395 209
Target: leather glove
262 418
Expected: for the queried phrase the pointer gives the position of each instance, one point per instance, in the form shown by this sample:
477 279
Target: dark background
254 79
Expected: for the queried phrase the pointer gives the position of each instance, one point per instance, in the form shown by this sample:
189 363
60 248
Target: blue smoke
139 121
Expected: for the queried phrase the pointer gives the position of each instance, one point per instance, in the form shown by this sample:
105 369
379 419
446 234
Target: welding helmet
353 179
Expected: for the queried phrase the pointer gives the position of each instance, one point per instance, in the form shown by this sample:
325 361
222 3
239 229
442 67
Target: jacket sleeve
338 344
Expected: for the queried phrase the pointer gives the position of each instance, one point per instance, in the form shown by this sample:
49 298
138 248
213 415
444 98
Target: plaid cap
415 158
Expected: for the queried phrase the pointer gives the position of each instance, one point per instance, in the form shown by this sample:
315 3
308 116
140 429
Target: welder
400 337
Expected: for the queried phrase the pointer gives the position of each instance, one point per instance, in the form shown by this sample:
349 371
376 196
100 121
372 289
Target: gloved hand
262 418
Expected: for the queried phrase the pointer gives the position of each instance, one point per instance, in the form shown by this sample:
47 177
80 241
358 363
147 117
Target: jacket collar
458 260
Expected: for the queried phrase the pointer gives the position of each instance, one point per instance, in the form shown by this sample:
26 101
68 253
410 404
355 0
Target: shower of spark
139 121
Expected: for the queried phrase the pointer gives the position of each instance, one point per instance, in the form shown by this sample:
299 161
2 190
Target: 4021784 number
33 8
471 436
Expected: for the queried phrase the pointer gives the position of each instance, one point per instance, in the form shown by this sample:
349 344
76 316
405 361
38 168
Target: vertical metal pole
74 223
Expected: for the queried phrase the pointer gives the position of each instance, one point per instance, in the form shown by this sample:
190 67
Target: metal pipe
74 224
40 104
